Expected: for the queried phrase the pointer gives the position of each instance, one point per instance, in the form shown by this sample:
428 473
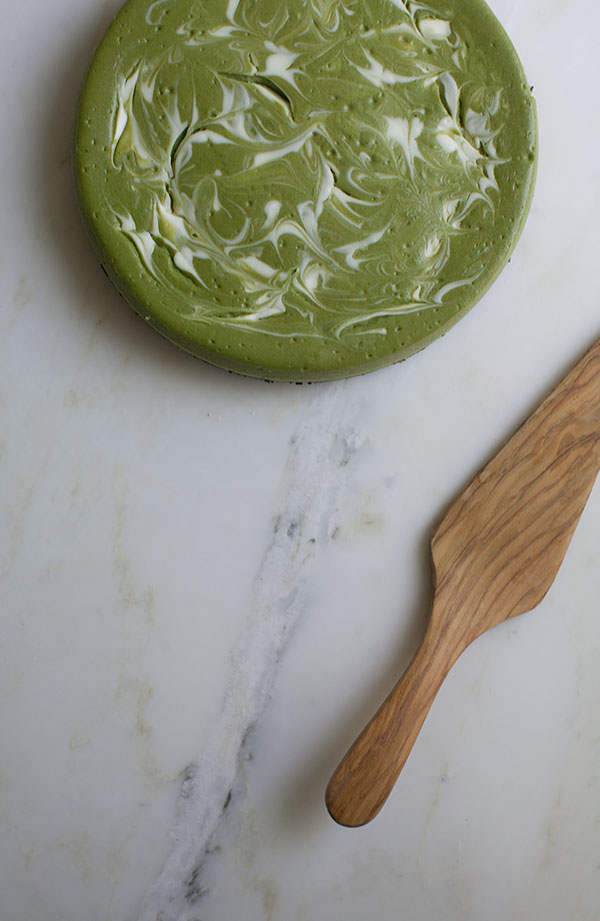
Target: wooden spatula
496 553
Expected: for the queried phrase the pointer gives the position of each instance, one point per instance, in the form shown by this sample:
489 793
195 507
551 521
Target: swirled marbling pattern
323 182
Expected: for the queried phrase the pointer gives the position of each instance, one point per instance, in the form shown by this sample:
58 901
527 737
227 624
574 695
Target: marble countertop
208 583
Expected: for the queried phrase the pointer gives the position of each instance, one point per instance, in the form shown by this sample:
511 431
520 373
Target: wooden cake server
495 553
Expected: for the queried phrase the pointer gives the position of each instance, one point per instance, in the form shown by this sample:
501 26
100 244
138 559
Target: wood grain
496 553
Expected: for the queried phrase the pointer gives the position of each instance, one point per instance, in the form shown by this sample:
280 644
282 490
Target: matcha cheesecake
304 189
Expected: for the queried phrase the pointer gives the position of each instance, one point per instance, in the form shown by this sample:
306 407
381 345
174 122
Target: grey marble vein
314 479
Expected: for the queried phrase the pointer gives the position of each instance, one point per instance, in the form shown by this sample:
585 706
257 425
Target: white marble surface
207 583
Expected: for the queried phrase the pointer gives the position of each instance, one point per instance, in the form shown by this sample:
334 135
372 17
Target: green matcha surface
304 189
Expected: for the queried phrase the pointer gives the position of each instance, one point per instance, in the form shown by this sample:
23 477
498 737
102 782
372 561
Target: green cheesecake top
304 189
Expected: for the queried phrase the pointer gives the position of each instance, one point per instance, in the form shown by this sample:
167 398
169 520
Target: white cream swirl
309 174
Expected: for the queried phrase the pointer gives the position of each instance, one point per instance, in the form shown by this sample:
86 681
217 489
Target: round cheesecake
304 189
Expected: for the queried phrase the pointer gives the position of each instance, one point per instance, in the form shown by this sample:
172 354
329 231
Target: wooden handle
367 773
